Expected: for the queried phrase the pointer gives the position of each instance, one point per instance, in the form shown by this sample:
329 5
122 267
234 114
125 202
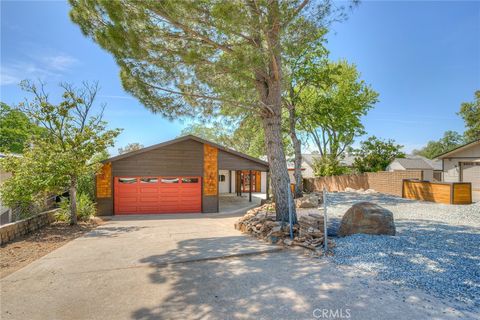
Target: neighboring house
462 164
431 169
183 175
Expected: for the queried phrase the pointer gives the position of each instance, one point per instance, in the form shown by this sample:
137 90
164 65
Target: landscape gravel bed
437 247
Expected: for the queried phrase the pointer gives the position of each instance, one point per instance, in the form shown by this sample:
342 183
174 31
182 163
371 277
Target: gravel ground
437 247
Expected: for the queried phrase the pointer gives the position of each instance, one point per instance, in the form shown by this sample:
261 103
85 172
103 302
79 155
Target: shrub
327 166
85 208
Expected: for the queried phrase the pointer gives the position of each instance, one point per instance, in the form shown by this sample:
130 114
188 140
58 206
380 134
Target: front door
245 180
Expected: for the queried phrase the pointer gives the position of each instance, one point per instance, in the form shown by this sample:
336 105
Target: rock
288 242
368 218
369 191
350 189
307 201
361 190
276 231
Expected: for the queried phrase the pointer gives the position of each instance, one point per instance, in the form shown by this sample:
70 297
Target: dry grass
24 250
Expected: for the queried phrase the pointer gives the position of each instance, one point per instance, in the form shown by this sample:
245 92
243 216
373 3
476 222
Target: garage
151 195
177 176
471 173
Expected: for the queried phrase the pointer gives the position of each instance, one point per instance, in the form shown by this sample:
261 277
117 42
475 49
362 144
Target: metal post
325 235
290 213
268 185
250 187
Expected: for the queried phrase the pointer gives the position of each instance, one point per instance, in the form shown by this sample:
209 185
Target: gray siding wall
183 158
228 161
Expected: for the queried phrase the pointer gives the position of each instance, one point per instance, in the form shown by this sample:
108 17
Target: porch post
250 187
268 185
229 181
240 183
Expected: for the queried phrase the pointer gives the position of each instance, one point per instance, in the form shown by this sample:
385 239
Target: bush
327 166
85 208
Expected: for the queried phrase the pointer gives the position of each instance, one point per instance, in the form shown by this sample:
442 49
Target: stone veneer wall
11 231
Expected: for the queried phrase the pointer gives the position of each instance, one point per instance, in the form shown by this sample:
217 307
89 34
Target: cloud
37 68
60 62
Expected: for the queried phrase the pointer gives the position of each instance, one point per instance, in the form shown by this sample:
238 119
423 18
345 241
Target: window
221 178
127 180
169 180
148 180
189 180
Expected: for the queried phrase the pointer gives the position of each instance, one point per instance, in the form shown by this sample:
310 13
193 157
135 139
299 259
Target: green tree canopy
57 159
16 129
375 154
331 112
470 112
191 58
130 147
449 141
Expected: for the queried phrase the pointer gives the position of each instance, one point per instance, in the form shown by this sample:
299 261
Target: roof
435 163
345 160
460 148
184 138
416 163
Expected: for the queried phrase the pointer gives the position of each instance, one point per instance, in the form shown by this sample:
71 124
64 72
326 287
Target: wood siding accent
228 161
104 181
447 193
258 179
210 170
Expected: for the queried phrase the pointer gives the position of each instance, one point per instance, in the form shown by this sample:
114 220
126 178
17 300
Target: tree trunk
297 146
278 166
73 201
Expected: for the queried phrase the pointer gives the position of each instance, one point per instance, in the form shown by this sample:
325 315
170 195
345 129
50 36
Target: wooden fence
442 192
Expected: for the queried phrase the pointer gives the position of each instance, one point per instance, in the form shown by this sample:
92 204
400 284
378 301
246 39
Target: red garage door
142 195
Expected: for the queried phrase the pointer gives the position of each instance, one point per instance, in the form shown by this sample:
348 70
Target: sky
422 57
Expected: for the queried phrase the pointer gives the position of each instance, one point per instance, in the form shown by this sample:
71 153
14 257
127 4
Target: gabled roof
435 163
413 163
184 138
457 149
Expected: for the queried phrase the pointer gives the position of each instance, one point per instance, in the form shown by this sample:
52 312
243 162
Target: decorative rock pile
307 233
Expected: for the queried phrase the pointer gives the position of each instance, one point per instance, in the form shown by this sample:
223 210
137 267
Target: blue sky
422 57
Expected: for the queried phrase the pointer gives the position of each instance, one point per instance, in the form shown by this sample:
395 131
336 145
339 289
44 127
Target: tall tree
15 129
57 159
130 147
470 112
331 112
376 154
184 58
303 70
449 141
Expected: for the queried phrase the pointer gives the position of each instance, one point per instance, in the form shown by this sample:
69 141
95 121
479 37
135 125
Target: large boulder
307 201
368 218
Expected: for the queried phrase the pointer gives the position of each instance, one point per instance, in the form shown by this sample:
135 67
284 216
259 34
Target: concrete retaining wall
11 231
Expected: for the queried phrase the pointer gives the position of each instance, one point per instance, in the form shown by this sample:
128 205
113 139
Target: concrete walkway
196 267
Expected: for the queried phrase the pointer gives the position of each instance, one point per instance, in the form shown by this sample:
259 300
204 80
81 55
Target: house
184 175
431 169
462 164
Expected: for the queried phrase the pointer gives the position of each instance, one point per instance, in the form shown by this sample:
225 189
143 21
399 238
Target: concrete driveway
197 267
